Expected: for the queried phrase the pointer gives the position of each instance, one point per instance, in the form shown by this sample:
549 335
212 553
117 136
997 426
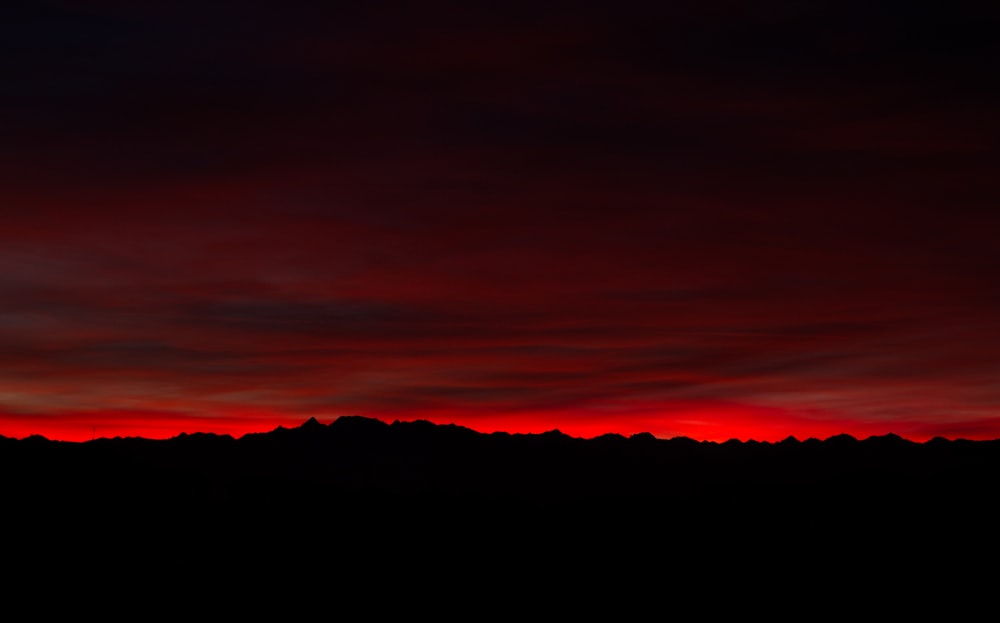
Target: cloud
538 209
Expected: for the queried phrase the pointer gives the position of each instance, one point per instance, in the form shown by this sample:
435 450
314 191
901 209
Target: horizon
235 428
687 218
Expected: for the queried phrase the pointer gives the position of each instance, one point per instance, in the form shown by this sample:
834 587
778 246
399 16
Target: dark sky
712 219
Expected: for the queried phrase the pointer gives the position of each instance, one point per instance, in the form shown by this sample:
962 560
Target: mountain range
314 464
341 505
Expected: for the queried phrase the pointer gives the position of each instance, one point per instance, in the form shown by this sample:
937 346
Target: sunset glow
680 220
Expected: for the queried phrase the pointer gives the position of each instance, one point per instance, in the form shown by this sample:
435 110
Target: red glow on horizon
712 422
85 426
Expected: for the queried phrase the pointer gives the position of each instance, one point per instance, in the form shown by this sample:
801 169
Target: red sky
703 219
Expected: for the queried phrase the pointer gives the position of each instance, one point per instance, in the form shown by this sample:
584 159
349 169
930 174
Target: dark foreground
363 503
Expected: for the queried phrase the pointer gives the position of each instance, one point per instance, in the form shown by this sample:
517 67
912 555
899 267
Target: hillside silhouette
341 506
314 466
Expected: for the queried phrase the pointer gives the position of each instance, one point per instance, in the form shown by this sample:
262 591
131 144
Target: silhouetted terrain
420 465
360 500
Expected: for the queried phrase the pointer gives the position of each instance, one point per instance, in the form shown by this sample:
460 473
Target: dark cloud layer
706 218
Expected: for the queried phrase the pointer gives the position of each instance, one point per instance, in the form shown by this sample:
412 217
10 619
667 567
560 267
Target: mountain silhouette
315 464
338 506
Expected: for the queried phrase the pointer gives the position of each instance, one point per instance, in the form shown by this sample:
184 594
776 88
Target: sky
720 220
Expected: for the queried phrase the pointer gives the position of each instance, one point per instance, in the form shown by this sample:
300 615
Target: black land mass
316 467
358 503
